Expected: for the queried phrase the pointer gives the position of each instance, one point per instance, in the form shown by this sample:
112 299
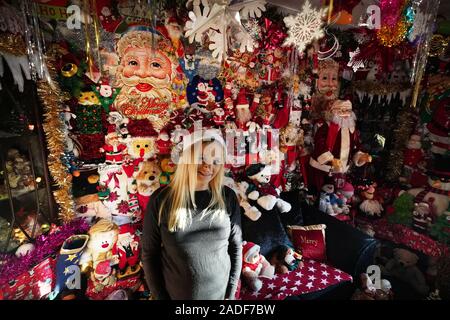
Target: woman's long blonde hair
180 197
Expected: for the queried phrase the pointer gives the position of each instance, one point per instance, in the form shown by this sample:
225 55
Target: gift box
34 284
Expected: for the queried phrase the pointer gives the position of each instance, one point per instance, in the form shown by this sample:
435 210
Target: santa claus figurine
336 144
219 116
228 102
243 110
163 143
113 149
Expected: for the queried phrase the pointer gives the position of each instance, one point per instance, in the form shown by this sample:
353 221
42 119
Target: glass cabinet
27 207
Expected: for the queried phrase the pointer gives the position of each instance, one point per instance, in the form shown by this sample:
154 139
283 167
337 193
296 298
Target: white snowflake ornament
355 65
305 27
220 19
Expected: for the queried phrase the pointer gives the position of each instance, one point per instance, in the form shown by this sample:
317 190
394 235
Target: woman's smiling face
210 163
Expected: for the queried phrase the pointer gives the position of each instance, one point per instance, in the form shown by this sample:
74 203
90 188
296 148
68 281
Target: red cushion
310 241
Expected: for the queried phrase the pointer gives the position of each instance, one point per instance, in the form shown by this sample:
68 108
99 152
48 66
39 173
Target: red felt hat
111 129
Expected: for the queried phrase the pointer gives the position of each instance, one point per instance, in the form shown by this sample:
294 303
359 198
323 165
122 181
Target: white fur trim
345 146
356 159
325 157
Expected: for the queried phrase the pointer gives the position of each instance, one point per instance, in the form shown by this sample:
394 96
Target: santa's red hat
111 130
249 249
242 101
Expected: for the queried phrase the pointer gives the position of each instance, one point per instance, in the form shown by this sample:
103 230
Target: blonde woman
191 243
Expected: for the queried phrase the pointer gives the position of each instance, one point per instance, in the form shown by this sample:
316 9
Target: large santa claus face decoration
327 84
145 74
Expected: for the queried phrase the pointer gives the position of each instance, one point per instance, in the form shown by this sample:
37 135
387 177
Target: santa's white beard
160 88
348 122
243 115
371 207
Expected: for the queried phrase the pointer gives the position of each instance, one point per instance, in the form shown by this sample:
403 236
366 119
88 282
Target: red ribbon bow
272 35
113 175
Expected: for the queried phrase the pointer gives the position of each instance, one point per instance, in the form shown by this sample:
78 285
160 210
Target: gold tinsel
12 44
52 99
391 36
401 135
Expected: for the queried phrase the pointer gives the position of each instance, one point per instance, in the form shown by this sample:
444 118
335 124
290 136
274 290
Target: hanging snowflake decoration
354 63
221 21
304 27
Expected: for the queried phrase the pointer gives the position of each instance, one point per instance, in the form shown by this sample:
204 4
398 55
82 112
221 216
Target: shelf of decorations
113 123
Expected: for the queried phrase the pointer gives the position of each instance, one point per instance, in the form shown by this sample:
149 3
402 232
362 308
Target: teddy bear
285 259
291 140
167 170
403 266
254 266
261 191
147 179
98 259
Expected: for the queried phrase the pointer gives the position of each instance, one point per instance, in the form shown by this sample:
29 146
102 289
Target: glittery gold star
66 271
71 257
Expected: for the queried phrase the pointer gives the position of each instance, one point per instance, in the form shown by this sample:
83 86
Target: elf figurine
113 149
106 94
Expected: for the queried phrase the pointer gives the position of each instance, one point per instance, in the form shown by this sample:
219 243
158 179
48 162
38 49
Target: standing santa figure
336 143
113 149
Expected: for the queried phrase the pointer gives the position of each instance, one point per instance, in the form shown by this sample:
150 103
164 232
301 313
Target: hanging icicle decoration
35 43
423 46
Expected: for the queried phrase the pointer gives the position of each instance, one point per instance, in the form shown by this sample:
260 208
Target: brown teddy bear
403 266
285 259
147 180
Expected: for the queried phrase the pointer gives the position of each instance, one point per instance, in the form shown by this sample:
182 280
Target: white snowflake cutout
355 65
305 27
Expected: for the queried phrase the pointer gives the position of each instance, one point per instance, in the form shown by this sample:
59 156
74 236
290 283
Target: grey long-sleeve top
203 261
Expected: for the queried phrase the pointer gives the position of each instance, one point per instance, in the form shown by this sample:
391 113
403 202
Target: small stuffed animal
141 148
330 203
368 290
167 170
98 254
261 191
254 265
422 216
250 211
285 259
403 266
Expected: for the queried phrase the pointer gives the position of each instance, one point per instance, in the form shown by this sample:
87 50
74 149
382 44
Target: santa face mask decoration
146 76
327 84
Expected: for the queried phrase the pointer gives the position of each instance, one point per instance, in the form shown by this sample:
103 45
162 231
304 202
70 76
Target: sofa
348 249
